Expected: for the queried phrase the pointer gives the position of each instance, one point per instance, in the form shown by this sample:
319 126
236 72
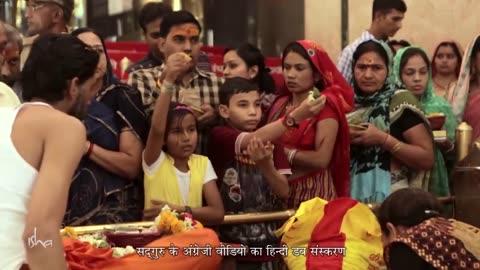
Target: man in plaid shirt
387 16
180 32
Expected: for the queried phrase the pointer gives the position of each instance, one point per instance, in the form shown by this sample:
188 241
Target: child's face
182 137
244 111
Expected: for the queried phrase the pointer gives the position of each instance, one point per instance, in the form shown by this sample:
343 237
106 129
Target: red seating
134 51
127 46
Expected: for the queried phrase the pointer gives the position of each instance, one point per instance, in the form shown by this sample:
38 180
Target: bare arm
126 162
417 152
156 135
278 182
175 64
275 130
46 208
325 138
262 155
213 213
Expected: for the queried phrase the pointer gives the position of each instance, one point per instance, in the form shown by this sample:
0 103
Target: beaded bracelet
165 87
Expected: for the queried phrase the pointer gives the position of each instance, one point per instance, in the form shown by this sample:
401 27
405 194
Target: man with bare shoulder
41 143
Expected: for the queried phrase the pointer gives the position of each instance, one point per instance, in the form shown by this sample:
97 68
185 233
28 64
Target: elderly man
10 69
8 98
45 16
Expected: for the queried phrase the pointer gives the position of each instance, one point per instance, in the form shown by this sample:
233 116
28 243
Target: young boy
252 171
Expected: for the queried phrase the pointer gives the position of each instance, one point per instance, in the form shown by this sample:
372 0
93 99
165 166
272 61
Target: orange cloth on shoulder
83 256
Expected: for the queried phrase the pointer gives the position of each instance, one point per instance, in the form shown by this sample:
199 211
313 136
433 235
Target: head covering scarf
444 244
458 97
432 104
339 95
370 165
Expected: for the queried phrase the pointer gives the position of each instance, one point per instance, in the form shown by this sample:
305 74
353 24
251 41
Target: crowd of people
80 147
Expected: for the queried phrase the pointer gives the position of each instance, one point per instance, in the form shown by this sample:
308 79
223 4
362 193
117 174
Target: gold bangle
396 147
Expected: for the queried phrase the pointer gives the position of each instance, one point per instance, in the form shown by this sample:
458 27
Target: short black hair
400 42
234 86
151 12
408 207
54 60
177 18
385 6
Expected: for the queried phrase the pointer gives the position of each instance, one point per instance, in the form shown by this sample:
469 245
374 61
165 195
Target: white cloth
183 178
8 98
16 182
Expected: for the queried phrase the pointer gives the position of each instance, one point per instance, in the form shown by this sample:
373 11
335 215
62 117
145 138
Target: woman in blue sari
107 186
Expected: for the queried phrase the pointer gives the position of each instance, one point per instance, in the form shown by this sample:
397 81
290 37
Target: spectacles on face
34 6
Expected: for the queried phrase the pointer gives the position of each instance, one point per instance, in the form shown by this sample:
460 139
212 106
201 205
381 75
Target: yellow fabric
8 98
364 239
297 230
163 185
364 249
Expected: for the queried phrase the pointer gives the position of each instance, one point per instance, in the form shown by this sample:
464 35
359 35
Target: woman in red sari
466 96
318 149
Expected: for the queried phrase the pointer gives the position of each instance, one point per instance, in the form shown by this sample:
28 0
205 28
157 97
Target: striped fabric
318 185
342 226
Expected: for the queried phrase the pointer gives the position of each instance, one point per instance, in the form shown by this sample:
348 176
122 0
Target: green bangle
167 88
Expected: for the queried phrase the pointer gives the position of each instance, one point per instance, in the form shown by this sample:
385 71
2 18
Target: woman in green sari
392 145
413 71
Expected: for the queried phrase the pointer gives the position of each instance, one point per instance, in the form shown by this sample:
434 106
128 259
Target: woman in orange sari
318 148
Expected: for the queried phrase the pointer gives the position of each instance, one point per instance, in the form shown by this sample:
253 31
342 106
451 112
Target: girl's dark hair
109 77
456 51
252 56
408 207
176 112
411 52
54 60
297 48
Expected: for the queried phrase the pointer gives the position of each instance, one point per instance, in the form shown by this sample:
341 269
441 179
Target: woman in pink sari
466 96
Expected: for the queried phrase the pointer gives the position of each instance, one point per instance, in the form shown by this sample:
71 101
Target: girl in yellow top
173 174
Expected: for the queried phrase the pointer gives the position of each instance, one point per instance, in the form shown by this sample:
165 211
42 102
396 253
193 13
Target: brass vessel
463 140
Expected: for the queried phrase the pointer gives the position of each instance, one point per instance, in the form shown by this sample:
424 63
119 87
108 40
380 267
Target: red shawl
339 95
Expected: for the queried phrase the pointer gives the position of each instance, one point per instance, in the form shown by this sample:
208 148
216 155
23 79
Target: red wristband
90 149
